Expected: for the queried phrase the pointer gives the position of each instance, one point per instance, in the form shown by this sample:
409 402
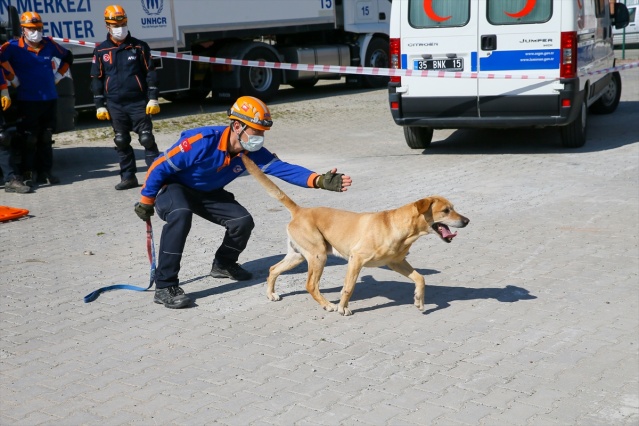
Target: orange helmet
252 112
31 20
115 14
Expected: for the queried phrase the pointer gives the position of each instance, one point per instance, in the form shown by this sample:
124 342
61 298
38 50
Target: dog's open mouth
444 232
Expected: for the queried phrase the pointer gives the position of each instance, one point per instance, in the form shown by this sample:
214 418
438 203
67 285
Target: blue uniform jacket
199 160
35 68
123 72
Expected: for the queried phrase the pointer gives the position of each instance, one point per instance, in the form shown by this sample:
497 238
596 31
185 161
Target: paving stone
532 313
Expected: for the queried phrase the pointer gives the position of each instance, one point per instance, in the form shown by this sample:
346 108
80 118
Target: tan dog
365 239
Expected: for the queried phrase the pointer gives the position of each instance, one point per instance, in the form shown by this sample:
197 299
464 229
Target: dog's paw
344 311
330 307
273 297
419 304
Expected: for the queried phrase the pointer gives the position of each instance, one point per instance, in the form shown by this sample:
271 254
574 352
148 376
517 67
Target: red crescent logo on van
580 4
530 5
428 10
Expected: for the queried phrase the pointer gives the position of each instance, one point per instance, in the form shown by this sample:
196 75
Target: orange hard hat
252 112
115 14
31 20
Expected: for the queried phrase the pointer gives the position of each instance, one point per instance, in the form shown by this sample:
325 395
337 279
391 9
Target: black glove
330 181
144 211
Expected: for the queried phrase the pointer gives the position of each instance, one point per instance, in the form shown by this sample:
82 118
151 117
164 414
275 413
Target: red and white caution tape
336 69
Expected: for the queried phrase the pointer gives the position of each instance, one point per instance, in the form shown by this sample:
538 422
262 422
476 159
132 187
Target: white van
630 34
504 45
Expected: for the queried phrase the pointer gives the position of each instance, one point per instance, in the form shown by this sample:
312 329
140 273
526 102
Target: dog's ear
423 205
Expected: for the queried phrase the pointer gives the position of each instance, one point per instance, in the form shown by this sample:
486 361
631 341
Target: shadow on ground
398 292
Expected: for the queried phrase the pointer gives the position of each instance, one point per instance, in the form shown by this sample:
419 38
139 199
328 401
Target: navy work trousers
129 117
35 118
176 204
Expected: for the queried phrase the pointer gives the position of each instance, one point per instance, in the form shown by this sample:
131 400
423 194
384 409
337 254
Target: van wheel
418 137
262 83
573 135
377 56
609 101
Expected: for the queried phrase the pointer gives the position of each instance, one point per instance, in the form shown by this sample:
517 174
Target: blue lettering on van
518 60
159 21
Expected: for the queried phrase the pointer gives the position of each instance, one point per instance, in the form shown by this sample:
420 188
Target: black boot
172 297
28 179
232 270
16 185
127 184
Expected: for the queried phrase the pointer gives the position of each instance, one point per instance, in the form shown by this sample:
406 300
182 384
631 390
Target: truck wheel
573 135
418 137
609 101
262 83
376 56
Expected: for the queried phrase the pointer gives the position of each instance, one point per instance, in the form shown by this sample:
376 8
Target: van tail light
568 67
395 54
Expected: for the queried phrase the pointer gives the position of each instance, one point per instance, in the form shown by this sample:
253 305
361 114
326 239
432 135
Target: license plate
456 64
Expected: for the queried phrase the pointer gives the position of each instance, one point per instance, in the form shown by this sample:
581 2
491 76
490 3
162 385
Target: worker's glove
57 77
5 99
103 114
153 107
144 211
330 181
15 82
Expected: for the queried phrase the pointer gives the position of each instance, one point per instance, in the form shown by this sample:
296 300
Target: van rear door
438 35
518 39
506 39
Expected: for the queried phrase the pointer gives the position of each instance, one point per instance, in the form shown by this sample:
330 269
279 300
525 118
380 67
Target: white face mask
33 36
254 142
119 33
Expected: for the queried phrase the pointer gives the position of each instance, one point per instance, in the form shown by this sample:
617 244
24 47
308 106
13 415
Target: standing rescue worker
12 181
125 91
32 73
189 178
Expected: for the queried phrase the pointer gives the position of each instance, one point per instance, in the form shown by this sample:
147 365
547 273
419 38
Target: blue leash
150 246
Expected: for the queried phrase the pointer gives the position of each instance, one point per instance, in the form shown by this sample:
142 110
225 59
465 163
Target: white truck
328 32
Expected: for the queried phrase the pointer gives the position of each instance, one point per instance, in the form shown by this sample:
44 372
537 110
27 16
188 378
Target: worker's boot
127 184
172 297
16 185
28 179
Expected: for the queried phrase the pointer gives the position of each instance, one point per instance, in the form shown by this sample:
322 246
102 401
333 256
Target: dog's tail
272 189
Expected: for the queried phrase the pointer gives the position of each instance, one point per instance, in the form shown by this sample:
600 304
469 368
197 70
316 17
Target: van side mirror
621 18
10 28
